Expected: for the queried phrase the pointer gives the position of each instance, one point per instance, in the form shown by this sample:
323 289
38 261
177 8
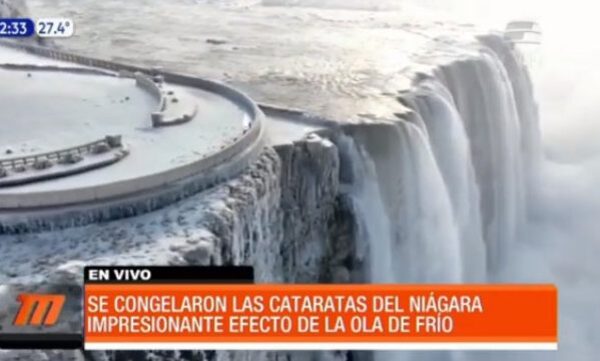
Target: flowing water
448 137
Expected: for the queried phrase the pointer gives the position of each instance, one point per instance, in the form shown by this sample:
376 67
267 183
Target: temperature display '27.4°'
54 27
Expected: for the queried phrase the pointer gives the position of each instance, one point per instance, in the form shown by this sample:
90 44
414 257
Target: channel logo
39 309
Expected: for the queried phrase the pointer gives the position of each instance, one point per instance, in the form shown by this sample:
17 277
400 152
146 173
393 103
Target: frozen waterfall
443 124
412 234
440 196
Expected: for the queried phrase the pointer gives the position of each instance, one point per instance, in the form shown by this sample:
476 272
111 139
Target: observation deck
87 140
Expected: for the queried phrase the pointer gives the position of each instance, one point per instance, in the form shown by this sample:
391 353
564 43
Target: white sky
573 22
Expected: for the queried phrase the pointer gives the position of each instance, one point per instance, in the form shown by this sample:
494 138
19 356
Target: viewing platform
111 140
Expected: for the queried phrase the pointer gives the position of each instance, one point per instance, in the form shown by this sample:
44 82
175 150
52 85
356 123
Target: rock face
309 183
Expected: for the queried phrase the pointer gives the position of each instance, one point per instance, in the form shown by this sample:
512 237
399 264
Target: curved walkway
165 163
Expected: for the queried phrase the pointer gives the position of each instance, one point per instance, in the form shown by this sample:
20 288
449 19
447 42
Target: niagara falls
379 142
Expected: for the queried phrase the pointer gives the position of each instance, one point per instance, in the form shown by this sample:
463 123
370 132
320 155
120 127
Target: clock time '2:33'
16 27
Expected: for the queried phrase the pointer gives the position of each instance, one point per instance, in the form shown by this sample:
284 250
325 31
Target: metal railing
58 154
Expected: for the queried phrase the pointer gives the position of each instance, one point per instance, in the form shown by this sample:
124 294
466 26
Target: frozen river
341 62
